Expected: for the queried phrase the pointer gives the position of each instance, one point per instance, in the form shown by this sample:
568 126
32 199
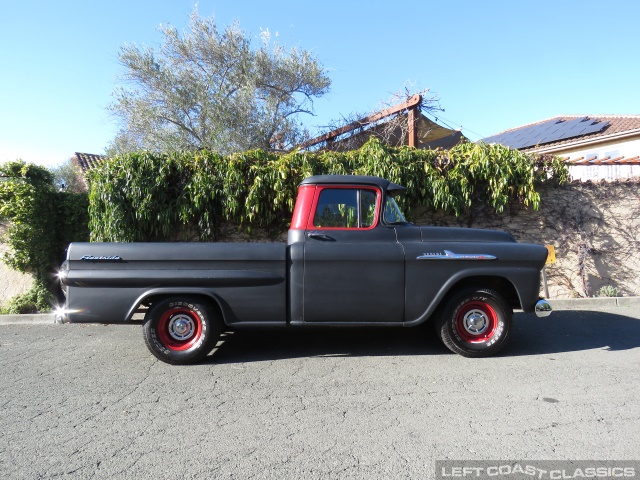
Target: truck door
353 267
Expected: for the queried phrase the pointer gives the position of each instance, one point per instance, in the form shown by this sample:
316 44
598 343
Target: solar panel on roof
547 132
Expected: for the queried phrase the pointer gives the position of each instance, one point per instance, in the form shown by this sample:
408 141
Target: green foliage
68 177
42 220
37 299
178 196
608 291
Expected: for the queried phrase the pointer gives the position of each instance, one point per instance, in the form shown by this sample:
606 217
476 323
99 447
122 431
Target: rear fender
171 292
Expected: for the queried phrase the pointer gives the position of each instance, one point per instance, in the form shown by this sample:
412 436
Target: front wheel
180 330
475 323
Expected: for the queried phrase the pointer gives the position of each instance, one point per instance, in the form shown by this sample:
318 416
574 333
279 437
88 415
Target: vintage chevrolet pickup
351 259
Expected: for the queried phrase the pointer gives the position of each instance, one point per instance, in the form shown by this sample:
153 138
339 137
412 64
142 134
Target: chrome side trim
449 255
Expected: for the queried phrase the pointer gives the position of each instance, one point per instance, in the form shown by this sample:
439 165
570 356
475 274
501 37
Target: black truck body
350 259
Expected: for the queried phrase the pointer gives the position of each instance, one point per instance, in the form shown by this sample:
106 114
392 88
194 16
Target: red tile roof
87 161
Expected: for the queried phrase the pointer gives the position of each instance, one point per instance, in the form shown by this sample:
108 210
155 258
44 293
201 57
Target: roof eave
590 141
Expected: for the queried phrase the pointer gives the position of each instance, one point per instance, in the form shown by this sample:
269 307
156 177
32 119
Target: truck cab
347 263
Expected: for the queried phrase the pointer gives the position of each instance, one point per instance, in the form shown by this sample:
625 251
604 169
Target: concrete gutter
28 319
557 304
593 303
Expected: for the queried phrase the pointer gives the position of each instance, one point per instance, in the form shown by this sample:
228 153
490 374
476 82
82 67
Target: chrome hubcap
181 327
475 322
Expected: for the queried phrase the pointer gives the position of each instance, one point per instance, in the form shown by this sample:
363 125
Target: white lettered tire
475 322
181 330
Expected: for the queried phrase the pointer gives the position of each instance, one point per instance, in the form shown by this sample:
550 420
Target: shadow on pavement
572 330
260 345
563 331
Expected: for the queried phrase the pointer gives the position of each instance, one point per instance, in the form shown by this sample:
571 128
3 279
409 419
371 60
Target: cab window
391 212
345 208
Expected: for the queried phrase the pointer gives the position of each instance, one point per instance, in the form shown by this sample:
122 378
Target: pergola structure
409 127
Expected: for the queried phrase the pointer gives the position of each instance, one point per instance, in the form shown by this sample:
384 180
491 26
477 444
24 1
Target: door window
345 208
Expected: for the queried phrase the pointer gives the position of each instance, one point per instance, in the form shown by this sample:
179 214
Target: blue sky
493 64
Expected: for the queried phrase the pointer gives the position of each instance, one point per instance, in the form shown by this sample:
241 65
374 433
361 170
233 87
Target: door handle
321 237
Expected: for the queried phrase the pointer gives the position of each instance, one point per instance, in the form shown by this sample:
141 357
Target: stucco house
596 147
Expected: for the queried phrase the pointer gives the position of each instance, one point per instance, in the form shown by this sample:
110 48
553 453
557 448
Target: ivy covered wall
157 197
38 221
207 197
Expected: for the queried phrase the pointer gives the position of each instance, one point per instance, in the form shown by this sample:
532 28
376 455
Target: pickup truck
351 259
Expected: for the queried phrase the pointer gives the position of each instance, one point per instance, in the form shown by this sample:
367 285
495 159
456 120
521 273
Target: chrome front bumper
543 308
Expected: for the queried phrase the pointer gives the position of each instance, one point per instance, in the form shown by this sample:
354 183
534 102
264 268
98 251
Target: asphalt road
89 401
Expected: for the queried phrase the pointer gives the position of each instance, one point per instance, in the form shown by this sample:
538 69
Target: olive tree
212 89
67 176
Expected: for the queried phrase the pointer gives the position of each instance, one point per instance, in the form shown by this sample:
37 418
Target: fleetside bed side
106 290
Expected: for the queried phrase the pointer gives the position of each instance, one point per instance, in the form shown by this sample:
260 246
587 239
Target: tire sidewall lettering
203 324
196 346
205 329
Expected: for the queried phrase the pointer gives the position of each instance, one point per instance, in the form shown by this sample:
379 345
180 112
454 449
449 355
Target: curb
556 304
28 319
590 303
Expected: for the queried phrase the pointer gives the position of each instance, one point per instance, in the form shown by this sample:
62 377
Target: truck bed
116 277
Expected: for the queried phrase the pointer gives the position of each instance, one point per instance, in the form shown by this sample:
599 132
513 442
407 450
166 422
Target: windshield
391 212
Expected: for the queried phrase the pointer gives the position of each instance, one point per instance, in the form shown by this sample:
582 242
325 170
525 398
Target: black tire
474 323
181 330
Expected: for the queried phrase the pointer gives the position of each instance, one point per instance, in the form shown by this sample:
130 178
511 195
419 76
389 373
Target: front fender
525 282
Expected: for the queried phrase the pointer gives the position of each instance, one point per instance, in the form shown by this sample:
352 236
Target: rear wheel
475 323
181 330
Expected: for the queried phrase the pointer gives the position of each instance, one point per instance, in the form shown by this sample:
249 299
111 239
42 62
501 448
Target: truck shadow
563 331
572 330
263 345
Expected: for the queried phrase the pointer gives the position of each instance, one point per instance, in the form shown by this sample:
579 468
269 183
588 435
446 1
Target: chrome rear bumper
543 308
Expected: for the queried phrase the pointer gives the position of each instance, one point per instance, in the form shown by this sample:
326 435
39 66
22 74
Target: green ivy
42 221
180 196
37 299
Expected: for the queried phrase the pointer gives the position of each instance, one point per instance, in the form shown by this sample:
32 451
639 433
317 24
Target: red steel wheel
179 328
474 322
